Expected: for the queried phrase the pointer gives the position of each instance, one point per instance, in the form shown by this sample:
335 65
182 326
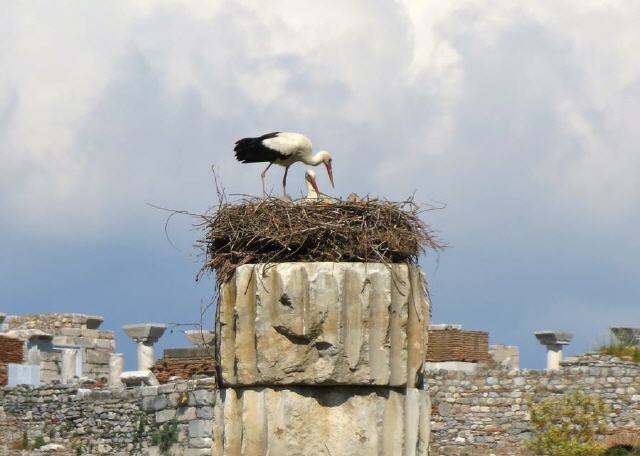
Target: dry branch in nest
276 231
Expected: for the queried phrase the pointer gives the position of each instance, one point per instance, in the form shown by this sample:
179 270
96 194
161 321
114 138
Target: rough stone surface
323 323
138 378
306 420
505 356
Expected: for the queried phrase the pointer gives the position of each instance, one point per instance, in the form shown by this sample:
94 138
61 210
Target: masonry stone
185 413
477 416
323 323
307 420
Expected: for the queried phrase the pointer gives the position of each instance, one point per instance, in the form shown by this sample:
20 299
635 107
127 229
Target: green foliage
183 401
38 442
24 443
567 425
621 351
166 436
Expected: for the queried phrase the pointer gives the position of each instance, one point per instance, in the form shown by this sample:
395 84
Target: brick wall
458 345
11 351
185 368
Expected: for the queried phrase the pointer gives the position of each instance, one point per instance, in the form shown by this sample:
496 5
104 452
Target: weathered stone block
323 323
186 413
197 452
200 428
97 357
305 420
163 416
203 397
154 404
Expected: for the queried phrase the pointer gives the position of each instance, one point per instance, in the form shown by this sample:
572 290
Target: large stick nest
275 231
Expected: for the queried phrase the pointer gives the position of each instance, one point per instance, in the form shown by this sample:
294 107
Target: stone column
554 340
145 335
116 367
322 359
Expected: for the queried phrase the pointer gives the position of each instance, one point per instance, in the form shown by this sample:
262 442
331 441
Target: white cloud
103 105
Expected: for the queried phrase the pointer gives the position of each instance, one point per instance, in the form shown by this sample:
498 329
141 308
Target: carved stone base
316 421
323 323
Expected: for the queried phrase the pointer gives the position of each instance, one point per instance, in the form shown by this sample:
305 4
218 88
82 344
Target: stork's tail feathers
251 150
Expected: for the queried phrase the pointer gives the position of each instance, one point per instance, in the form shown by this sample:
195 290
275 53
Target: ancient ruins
306 358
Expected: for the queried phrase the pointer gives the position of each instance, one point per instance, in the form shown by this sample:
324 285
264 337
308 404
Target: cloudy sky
519 115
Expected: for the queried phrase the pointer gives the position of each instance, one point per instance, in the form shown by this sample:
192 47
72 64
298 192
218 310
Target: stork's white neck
311 192
316 159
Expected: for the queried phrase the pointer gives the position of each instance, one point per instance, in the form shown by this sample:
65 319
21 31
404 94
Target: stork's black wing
252 150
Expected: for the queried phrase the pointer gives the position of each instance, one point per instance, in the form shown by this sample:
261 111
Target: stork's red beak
330 172
314 184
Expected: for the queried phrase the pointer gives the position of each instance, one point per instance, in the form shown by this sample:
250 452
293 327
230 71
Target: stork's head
326 159
310 177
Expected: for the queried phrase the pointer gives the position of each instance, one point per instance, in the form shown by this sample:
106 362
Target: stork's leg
262 175
284 181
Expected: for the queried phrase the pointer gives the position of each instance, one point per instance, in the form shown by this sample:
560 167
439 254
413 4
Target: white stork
282 149
312 185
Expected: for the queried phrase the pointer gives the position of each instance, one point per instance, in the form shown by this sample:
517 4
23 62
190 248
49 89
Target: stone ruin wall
476 414
68 329
116 421
485 412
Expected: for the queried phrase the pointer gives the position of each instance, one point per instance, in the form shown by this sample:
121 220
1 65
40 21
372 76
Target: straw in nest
275 231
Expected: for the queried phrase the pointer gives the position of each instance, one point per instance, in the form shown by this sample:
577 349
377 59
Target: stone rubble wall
114 421
485 412
477 414
52 321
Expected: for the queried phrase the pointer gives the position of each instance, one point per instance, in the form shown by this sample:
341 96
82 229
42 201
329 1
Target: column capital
145 332
549 338
200 337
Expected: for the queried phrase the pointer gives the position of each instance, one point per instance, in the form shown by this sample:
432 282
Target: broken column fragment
627 336
315 323
322 358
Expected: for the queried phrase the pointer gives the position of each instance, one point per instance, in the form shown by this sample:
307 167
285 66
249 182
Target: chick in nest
313 194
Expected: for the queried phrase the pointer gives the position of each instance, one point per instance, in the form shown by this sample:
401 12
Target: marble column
145 335
322 358
554 340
